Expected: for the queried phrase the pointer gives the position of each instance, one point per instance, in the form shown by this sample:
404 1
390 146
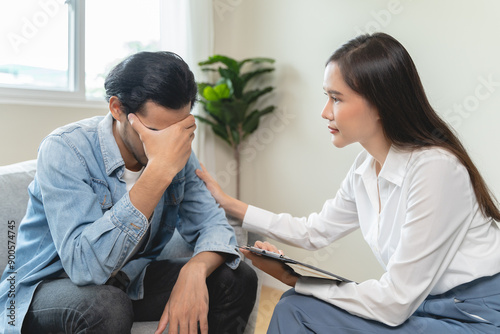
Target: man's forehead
157 117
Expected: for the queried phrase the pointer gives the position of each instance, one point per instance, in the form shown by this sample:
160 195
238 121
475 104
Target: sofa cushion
14 181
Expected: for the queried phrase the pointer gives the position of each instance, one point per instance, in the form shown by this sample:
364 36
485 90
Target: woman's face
350 117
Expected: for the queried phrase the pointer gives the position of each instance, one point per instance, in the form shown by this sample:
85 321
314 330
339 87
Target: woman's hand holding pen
274 268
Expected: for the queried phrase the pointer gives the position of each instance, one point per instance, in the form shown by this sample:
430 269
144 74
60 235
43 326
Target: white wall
454 45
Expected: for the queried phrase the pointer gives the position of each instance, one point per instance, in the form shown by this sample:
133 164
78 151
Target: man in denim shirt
108 194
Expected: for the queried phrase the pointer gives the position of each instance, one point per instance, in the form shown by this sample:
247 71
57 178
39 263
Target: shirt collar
109 149
394 168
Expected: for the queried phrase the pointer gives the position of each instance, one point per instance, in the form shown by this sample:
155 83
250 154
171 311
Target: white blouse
426 230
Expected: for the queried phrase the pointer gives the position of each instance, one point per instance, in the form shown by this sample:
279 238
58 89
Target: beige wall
290 164
296 168
22 127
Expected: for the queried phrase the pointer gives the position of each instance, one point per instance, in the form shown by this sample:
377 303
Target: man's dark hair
161 77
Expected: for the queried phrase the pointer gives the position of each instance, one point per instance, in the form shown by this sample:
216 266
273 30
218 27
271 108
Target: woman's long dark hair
380 69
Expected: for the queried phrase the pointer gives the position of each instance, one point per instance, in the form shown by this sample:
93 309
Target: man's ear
115 107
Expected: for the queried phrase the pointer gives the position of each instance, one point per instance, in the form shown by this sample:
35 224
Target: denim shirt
80 221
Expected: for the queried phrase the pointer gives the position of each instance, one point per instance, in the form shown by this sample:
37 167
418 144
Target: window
114 30
59 52
35 45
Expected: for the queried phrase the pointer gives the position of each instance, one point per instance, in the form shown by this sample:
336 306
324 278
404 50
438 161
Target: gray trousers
450 312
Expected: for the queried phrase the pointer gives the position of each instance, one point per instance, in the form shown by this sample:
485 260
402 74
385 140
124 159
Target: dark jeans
59 306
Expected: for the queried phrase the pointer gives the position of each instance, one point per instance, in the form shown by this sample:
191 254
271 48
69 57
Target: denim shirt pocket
102 192
175 191
172 199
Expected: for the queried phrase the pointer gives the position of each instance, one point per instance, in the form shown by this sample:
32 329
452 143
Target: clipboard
301 268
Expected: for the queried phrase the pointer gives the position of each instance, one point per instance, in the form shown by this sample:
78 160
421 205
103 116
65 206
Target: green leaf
216 93
204 120
222 91
210 94
227 103
221 132
232 112
252 121
213 108
252 96
267 110
218 129
236 137
256 61
228 83
237 109
231 64
235 81
201 87
245 78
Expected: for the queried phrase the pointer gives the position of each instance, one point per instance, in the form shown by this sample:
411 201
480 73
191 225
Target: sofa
14 180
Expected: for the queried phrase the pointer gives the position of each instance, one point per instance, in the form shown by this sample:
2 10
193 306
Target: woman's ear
375 111
115 107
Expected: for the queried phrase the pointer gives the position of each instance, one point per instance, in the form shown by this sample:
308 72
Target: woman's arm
238 210
337 218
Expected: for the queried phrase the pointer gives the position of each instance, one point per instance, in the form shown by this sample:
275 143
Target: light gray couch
14 180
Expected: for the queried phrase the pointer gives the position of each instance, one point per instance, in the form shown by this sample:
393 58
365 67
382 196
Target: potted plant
228 103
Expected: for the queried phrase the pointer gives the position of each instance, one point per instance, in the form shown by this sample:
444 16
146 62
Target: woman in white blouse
418 199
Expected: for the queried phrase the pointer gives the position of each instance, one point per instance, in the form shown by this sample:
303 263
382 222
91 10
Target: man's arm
204 225
188 303
90 243
168 151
